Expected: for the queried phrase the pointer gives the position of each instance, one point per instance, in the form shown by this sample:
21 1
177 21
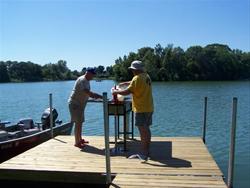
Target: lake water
179 110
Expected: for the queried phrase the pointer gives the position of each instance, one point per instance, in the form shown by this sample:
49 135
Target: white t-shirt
78 95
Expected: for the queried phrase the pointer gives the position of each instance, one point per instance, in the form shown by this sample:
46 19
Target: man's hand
93 95
96 96
114 91
121 92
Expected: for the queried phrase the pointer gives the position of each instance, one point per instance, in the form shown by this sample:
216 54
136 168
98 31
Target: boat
26 134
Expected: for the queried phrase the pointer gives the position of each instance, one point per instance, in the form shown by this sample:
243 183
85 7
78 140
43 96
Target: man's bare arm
121 92
92 94
124 83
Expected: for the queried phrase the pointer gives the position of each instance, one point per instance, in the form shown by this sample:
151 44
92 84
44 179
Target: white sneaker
143 157
138 156
134 156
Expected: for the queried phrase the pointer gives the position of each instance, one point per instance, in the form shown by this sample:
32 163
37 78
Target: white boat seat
3 135
26 123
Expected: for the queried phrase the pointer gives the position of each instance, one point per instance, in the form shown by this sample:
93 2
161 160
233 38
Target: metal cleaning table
122 108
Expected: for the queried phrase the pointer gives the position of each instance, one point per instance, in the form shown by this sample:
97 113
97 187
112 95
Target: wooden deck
174 162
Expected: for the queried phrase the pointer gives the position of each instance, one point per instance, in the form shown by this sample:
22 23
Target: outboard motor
45 119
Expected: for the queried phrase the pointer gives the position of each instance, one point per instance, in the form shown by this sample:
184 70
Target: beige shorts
76 113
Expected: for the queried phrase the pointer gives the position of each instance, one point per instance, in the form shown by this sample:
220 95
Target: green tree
62 66
50 72
25 72
120 68
166 63
217 63
58 71
244 66
75 74
193 56
151 65
178 64
109 71
100 70
4 75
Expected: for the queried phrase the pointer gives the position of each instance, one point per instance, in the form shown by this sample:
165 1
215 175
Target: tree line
13 71
212 62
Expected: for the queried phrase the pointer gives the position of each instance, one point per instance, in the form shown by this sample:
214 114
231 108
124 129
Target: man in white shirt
77 103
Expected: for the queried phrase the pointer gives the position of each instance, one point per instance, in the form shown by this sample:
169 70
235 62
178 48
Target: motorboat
25 134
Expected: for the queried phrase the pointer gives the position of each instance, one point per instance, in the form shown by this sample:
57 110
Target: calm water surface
178 112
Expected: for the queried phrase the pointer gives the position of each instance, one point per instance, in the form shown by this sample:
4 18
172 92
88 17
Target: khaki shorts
76 113
143 118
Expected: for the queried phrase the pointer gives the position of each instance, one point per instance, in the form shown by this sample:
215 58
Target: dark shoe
79 145
84 141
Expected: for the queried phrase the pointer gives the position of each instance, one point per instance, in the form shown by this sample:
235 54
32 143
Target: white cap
137 65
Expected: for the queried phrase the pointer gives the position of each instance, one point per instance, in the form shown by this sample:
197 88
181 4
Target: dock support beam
232 145
106 134
204 121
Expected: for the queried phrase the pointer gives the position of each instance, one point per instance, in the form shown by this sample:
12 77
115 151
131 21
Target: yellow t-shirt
141 89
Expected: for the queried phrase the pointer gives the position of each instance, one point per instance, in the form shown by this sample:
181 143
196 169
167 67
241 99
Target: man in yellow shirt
142 103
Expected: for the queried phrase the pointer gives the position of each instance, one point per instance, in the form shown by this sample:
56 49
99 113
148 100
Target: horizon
92 33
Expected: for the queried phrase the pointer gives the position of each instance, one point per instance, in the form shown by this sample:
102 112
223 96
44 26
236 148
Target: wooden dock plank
166 181
174 162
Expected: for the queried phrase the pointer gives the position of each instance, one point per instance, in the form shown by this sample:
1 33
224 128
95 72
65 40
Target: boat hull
11 148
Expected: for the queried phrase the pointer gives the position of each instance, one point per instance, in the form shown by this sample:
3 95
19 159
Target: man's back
78 95
141 88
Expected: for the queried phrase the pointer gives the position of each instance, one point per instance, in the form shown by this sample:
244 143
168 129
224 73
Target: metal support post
132 116
205 121
232 145
116 128
51 115
106 134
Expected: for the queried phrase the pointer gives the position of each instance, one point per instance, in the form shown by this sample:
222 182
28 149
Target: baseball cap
91 70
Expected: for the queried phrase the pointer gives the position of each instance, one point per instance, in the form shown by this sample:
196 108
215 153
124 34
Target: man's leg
145 134
78 132
77 118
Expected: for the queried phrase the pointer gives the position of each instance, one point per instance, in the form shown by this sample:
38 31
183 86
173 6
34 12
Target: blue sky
97 32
